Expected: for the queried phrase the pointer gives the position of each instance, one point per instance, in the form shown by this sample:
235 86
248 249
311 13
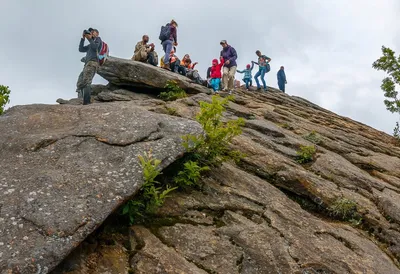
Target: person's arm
93 44
254 63
174 34
234 55
240 71
268 59
284 77
252 66
209 72
83 48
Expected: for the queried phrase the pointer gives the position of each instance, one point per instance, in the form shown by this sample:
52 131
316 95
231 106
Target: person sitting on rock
173 61
91 65
145 52
216 74
187 62
247 75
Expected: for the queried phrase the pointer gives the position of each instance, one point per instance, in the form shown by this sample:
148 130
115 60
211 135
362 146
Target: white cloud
327 47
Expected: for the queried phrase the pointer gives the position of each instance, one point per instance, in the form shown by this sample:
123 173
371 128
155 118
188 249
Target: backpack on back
268 68
165 33
104 53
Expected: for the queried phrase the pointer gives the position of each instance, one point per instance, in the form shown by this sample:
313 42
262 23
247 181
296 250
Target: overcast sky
326 46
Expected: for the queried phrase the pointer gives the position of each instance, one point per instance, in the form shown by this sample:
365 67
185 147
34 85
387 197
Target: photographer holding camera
91 65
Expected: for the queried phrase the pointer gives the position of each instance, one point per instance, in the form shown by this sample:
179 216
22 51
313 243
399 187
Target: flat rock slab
65 168
123 72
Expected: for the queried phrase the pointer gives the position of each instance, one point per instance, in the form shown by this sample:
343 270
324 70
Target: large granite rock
65 168
123 72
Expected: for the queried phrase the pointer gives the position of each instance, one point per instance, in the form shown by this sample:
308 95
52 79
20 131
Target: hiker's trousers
228 77
86 77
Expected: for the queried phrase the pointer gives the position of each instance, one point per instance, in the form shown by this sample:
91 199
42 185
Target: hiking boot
230 92
166 66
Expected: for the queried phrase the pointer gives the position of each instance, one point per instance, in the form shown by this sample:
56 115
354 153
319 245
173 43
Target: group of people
145 52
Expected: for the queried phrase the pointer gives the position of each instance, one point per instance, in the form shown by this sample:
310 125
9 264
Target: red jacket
216 68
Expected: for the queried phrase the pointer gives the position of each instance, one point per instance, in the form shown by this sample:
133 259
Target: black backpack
165 33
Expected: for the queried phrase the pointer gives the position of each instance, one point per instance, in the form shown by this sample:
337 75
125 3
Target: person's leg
213 83
217 84
256 78
79 84
225 78
263 71
231 82
89 72
150 58
246 81
167 46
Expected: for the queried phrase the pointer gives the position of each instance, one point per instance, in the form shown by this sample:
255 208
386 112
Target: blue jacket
281 76
247 72
229 53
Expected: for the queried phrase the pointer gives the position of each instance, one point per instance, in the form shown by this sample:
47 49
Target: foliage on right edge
4 97
212 148
390 64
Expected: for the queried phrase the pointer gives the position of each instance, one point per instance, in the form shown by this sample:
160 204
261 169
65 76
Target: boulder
123 72
65 168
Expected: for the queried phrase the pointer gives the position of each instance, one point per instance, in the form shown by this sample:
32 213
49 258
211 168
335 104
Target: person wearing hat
282 79
247 75
229 54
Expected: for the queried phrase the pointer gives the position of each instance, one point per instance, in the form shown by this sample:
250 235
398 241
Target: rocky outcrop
68 168
130 73
270 214
64 169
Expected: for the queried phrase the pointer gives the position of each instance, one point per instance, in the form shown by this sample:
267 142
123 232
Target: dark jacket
91 50
209 72
281 76
229 53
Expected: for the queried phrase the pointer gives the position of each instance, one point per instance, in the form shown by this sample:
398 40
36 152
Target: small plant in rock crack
396 133
151 195
313 137
172 91
212 148
346 210
190 175
306 154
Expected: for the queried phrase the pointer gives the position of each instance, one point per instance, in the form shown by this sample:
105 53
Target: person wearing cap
145 52
247 75
281 79
169 43
229 54
91 60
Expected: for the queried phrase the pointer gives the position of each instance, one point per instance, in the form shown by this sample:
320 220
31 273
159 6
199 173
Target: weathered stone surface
65 168
124 72
268 214
155 257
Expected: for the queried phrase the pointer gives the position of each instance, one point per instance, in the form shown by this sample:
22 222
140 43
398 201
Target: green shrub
171 111
346 210
172 91
151 195
190 175
212 148
4 97
306 154
313 137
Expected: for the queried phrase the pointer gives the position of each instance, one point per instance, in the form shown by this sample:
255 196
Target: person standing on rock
229 54
281 79
247 75
263 65
145 52
169 38
91 64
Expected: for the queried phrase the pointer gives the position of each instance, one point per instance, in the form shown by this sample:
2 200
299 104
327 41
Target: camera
86 32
